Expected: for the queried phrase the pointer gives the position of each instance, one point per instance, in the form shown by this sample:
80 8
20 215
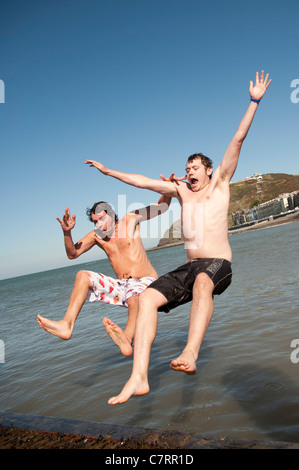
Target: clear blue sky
139 85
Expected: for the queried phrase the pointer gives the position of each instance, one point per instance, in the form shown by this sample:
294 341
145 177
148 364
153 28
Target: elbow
72 256
239 138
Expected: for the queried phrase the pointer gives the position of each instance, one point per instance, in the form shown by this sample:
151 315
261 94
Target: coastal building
275 207
255 176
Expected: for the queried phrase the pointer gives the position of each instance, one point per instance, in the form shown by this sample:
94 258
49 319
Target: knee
203 283
82 277
133 301
150 299
143 299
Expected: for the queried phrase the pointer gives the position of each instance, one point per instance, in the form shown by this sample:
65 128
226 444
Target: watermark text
190 229
295 353
295 93
2 352
2 92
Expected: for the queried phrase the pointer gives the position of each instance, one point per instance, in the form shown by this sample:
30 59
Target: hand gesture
67 223
261 85
173 178
98 165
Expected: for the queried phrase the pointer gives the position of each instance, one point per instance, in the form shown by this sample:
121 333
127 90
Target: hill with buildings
246 194
258 189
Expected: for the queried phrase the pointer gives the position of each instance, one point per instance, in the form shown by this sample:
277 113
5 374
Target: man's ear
209 171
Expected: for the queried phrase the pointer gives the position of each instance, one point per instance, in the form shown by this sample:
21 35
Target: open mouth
193 181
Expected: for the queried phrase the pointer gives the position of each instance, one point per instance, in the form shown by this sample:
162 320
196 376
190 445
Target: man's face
197 174
104 223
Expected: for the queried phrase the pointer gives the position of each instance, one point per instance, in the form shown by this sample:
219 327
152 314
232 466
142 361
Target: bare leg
200 317
64 328
133 303
146 329
124 339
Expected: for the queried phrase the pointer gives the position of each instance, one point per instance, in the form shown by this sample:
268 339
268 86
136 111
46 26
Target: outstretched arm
139 181
231 156
161 206
74 250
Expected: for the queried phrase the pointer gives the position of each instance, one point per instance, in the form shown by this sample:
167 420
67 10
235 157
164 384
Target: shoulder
87 242
184 192
90 236
97 240
182 187
182 184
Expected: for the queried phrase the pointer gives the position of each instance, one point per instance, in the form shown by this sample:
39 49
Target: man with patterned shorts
121 241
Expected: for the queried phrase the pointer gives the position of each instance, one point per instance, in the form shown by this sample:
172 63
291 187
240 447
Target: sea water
247 382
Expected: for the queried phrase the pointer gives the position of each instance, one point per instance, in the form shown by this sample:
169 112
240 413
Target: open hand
261 85
173 178
98 165
67 223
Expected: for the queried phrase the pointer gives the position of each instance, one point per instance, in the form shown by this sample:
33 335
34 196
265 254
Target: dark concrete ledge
139 437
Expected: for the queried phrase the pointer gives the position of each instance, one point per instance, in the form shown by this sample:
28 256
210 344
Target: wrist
255 100
106 171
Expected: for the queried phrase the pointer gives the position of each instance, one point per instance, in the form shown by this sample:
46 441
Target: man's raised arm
139 181
73 250
231 156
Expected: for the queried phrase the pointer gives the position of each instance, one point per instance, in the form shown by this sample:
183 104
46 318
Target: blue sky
139 85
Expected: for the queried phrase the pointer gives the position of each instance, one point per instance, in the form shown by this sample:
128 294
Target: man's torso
204 220
126 252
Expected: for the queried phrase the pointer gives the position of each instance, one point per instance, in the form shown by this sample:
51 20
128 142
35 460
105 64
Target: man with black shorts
205 202
177 285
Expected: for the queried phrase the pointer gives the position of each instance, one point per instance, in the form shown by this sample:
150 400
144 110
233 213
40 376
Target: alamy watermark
295 353
295 93
2 92
190 229
2 352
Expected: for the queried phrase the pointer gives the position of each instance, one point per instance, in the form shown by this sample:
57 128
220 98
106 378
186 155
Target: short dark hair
99 207
206 161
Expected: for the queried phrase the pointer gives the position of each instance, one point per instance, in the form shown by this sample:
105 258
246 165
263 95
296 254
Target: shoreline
269 222
18 431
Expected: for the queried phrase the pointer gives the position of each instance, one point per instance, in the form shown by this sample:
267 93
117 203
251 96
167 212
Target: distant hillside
244 194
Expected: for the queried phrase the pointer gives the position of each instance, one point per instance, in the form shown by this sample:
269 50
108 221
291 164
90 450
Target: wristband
256 101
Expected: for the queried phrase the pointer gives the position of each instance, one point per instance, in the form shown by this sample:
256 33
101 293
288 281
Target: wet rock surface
31 432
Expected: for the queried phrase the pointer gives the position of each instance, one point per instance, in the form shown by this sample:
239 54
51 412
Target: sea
247 381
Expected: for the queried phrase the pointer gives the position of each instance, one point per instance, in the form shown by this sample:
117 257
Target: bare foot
131 388
185 363
118 337
56 328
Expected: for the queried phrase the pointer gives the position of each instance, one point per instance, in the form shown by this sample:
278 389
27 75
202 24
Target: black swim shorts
177 285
